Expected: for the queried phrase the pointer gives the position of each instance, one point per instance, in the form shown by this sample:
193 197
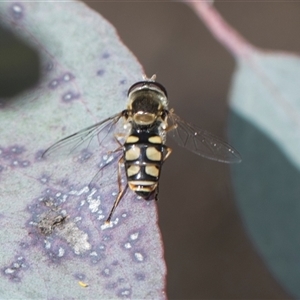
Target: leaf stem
222 31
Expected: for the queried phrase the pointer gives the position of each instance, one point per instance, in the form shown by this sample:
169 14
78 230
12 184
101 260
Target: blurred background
208 252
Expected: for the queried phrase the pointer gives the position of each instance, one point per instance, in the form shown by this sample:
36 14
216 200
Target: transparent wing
202 142
108 167
84 140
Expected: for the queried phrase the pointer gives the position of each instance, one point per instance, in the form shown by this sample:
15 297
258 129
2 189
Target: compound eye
147 85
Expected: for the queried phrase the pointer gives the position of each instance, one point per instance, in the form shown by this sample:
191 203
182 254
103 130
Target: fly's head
147 103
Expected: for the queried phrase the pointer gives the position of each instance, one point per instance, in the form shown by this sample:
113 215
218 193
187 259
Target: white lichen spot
64 198
67 77
110 224
77 219
125 293
25 163
44 179
61 252
124 215
47 244
9 271
110 159
68 96
105 157
114 194
82 202
127 246
16 265
101 217
17 8
139 256
15 163
106 271
75 237
134 236
54 83
94 205
94 253
80 192
90 196
139 197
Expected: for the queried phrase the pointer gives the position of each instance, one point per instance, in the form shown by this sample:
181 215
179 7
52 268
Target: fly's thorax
147 103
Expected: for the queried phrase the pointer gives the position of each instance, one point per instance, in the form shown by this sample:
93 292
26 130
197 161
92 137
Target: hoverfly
144 150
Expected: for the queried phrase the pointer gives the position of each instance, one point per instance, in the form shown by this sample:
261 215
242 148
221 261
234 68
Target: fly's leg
168 152
120 194
118 149
172 127
156 193
99 174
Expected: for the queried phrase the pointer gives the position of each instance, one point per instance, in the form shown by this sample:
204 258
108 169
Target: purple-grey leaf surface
54 244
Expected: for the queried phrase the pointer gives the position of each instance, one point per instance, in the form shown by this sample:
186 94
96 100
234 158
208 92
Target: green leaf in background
265 128
53 241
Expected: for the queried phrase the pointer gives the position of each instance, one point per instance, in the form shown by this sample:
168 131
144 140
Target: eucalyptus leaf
265 128
54 241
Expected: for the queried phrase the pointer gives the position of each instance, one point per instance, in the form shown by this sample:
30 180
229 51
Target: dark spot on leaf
140 276
24 245
38 155
111 285
80 276
124 215
44 179
121 280
84 156
13 271
124 293
115 263
25 163
100 72
49 66
53 84
67 77
56 256
105 55
106 272
69 96
102 247
96 256
107 238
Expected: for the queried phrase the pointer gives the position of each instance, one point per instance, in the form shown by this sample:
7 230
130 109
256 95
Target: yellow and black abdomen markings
144 155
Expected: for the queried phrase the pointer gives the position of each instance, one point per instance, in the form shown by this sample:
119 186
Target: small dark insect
148 120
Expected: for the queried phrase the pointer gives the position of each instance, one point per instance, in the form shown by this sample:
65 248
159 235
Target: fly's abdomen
144 156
